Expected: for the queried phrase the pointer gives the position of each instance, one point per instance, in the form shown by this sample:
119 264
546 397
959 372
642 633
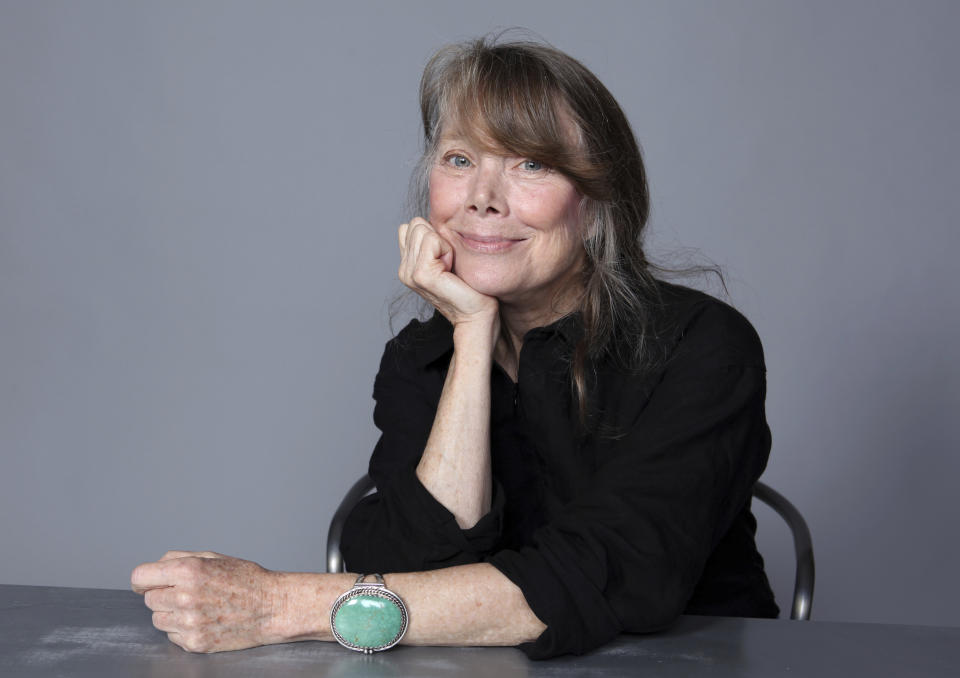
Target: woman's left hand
208 602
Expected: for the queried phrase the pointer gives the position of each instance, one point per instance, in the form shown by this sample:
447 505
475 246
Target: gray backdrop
198 207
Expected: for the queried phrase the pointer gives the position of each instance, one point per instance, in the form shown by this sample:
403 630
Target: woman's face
514 224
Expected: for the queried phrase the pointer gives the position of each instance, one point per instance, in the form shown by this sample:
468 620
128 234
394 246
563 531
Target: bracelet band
369 617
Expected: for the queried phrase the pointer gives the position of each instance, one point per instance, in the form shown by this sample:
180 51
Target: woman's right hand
426 267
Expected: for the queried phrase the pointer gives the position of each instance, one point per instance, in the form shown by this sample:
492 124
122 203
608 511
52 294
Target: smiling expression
514 223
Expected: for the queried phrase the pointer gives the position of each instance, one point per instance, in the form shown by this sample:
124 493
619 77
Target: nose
486 194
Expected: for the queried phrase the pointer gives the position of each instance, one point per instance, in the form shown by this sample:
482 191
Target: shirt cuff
444 541
577 616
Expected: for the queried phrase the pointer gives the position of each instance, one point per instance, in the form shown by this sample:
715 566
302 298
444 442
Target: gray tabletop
94 632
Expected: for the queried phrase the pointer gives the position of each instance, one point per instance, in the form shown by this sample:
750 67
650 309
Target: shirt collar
433 339
569 327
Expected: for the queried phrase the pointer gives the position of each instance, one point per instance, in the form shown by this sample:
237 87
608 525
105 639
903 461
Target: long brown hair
523 97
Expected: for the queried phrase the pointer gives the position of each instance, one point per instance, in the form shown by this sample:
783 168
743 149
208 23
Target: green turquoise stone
369 621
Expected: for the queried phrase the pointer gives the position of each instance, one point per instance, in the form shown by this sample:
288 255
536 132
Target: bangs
503 101
504 105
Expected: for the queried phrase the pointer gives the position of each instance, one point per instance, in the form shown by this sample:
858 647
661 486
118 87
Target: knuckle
190 644
200 642
190 570
190 620
185 599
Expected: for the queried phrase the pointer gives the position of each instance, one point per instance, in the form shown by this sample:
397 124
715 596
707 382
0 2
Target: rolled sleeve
402 527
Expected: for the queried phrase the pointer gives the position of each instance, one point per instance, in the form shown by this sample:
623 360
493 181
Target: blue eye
459 161
532 165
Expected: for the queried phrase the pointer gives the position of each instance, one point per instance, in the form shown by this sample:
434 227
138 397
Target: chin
489 282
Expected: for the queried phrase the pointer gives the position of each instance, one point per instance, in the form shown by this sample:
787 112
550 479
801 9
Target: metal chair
360 489
802 547
802 543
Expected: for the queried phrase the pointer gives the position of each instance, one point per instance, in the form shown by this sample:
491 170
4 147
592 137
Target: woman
568 445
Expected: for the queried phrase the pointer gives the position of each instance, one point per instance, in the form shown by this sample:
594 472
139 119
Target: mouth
488 244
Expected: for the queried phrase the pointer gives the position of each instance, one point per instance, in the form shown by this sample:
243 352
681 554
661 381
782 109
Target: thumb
171 555
446 255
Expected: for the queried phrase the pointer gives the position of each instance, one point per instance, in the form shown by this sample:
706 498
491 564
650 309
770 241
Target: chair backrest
802 546
360 489
802 543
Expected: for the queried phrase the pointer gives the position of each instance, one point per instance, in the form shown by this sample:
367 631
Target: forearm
465 605
455 466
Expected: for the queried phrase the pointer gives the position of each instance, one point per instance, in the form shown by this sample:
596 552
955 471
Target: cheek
557 202
557 216
443 199
564 237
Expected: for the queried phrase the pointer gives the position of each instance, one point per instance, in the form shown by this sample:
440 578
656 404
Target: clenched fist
208 602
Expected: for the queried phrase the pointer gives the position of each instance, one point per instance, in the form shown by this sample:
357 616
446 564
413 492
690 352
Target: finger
411 252
455 292
164 621
446 253
434 248
170 555
160 600
405 229
149 576
420 221
422 226
415 248
177 640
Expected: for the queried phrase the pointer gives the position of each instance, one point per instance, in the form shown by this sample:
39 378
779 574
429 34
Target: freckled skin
207 602
211 602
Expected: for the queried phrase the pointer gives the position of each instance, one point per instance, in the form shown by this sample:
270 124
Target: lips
488 244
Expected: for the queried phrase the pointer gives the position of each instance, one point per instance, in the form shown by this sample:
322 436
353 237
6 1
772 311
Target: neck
516 321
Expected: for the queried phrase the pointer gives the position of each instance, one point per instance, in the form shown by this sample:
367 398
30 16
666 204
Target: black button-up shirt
644 516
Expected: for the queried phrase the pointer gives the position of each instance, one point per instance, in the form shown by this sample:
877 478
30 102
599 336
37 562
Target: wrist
479 333
302 602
